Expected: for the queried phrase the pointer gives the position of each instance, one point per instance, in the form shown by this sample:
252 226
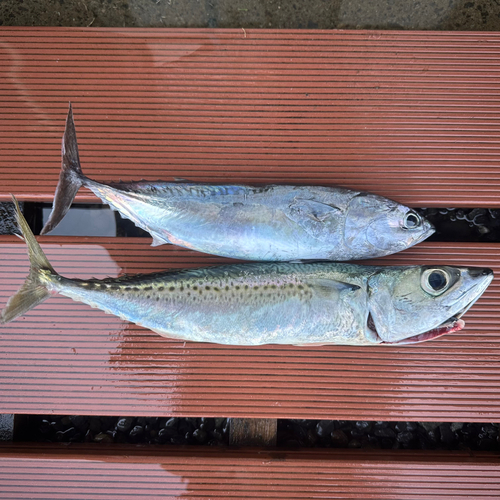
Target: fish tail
34 290
71 177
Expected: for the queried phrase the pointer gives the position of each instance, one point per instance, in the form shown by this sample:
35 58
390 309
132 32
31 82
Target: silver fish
272 223
272 303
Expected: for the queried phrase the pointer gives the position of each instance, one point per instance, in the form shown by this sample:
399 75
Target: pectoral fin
314 210
328 286
314 217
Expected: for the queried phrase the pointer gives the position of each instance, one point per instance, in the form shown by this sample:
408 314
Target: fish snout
478 272
428 229
425 230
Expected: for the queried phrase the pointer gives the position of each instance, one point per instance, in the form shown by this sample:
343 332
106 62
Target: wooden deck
410 115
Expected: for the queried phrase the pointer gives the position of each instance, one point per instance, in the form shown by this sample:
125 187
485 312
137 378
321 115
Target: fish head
418 303
384 225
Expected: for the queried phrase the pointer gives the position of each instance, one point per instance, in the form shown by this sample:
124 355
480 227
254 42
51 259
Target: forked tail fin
70 178
34 290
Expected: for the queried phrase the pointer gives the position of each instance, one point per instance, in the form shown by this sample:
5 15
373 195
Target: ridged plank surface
64 357
411 115
100 473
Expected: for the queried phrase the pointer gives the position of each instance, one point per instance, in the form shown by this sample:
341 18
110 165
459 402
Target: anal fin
158 240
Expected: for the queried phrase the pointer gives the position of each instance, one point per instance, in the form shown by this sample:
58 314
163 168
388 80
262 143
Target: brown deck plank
86 472
66 358
411 115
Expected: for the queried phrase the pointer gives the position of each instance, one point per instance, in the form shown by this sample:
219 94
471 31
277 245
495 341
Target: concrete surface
480 15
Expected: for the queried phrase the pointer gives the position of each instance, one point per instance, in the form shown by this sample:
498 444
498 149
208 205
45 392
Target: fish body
250 304
271 223
267 223
273 303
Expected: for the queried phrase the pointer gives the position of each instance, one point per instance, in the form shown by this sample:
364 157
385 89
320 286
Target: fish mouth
454 324
451 325
429 231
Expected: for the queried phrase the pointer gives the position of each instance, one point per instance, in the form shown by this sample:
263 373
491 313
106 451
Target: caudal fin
33 291
70 178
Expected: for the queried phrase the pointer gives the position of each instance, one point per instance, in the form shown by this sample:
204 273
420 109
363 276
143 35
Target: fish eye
411 220
435 281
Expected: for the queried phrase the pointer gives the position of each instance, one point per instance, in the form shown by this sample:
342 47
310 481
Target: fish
258 223
248 304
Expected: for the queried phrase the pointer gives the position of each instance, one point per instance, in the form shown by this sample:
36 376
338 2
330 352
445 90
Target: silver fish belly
269 223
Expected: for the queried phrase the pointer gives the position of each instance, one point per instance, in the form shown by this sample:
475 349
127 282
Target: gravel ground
389 435
464 224
291 433
7 219
144 430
